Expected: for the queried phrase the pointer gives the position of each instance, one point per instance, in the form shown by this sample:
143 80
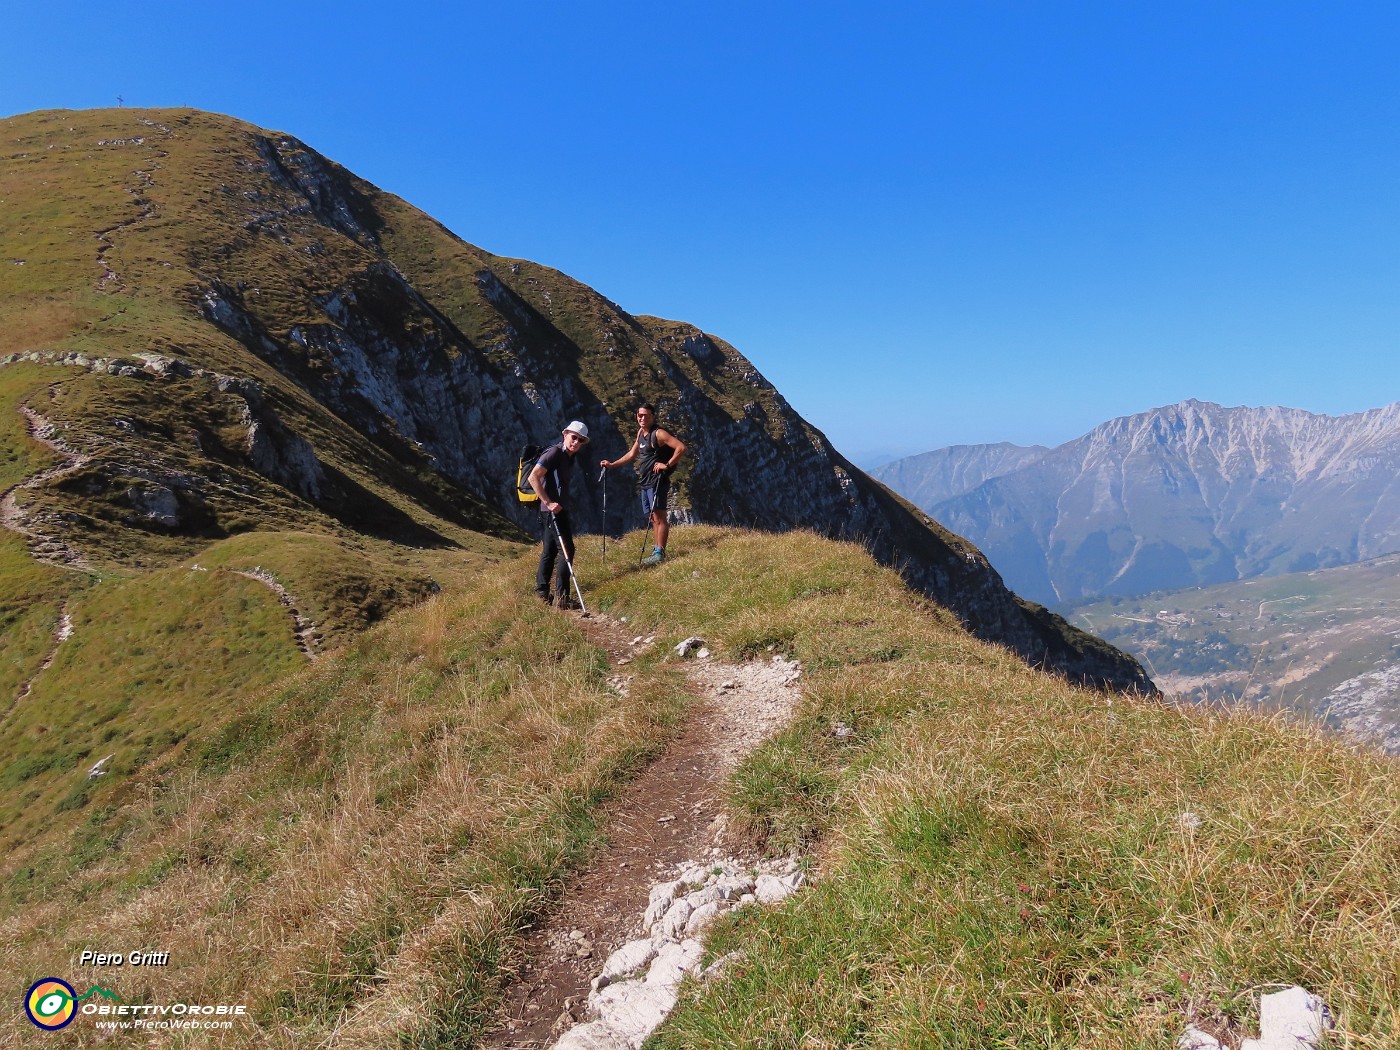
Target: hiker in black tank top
656 451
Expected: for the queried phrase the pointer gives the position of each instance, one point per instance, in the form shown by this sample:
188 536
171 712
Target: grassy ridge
1005 860
1012 862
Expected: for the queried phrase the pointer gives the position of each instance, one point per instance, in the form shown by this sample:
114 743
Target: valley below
1322 644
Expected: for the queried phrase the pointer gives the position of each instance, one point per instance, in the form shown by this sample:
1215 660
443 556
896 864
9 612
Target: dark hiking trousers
549 555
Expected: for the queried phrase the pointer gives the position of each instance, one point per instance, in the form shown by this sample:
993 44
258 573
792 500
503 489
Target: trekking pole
603 477
564 553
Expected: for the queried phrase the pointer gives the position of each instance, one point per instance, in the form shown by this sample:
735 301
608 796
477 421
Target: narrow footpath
667 818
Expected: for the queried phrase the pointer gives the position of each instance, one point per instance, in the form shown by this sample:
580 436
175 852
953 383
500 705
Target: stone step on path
639 984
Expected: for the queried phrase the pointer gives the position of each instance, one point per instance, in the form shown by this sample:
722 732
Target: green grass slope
119 222
1002 857
127 651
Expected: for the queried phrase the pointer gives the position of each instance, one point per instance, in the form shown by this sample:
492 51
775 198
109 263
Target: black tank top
649 453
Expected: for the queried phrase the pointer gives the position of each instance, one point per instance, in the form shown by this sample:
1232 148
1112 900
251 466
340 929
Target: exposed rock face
449 359
1187 495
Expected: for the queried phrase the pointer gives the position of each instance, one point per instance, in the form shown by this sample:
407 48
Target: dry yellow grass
1004 859
348 855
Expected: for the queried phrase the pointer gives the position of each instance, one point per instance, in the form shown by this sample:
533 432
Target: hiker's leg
648 506
566 530
549 551
660 520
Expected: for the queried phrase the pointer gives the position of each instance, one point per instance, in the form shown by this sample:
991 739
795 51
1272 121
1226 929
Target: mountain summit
257 339
1186 495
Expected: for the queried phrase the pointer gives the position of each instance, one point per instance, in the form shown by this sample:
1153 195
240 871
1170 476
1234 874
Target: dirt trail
111 281
303 627
44 548
667 816
62 632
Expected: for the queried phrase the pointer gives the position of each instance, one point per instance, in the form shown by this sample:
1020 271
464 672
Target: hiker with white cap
550 479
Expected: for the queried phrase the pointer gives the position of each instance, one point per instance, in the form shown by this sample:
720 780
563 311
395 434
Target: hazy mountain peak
932 477
1181 495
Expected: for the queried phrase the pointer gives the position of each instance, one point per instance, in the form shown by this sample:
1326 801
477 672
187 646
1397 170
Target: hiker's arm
675 444
537 483
631 455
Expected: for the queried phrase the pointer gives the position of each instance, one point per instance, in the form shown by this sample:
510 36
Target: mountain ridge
374 335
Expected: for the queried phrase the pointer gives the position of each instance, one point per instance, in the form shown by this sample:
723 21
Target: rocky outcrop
639 983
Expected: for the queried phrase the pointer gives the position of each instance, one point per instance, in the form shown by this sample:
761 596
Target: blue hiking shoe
656 557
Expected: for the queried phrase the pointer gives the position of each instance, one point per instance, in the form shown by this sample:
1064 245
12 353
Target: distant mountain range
932 477
1185 495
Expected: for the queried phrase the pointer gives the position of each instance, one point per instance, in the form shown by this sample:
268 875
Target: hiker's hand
658 468
605 463
554 508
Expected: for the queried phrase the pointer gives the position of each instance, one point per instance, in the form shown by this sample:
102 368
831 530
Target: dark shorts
654 496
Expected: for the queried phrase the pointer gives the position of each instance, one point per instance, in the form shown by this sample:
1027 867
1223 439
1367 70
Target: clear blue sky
928 224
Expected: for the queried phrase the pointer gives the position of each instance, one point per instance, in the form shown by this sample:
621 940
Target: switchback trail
44 547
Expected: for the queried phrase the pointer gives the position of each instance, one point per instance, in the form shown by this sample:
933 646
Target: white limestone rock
630 958
672 924
689 646
733 887
703 896
1293 1014
769 889
696 876
675 961
1293 1019
633 1009
1195 1039
659 901
594 1035
703 916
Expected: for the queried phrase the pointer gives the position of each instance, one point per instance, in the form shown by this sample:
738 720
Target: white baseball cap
581 429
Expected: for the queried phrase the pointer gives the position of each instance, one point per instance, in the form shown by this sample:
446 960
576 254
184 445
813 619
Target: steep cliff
316 346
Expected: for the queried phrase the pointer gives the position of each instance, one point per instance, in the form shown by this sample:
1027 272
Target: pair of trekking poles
603 477
568 563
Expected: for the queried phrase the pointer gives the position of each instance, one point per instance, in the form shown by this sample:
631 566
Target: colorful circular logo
51 1003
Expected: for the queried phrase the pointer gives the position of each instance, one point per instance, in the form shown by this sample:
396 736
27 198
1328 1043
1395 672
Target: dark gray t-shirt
558 465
